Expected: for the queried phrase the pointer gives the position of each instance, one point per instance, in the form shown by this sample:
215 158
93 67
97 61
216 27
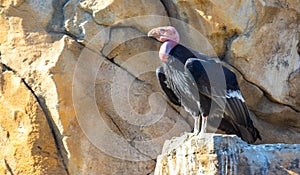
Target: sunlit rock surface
26 140
220 154
54 47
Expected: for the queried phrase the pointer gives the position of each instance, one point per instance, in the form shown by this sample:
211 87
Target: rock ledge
225 154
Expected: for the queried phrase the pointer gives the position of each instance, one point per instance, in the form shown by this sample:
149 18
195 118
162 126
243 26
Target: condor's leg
203 125
197 124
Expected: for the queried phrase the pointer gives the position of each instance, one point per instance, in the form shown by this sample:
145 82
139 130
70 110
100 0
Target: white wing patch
234 94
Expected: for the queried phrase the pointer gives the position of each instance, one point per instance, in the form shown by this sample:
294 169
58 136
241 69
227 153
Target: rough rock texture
27 144
219 154
92 69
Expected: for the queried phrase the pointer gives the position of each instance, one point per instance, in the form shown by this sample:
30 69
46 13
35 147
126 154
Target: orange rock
27 142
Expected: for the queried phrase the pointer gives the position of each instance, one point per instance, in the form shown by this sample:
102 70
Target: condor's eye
164 31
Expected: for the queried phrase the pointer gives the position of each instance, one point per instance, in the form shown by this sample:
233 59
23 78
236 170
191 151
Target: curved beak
154 33
165 33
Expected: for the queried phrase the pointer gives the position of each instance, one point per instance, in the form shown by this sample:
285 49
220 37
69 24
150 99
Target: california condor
203 86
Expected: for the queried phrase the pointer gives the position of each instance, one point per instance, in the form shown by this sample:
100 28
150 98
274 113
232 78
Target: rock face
27 143
78 88
217 154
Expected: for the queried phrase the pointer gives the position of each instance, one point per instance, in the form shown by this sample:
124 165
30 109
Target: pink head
166 33
169 36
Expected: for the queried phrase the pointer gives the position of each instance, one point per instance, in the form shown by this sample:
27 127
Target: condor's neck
165 49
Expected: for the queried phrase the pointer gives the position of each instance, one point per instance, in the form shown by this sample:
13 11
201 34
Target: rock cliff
78 89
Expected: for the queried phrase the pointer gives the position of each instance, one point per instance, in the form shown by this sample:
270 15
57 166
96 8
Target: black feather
160 74
196 82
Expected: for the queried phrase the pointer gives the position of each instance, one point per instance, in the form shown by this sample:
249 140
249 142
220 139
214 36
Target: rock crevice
43 45
54 131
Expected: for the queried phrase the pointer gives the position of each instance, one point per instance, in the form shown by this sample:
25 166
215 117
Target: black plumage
206 87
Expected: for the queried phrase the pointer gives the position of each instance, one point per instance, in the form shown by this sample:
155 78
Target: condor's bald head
166 33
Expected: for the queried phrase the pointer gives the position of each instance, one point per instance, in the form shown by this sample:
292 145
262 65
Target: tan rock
80 23
217 154
294 86
271 53
90 18
128 45
131 119
104 12
5 28
121 129
27 142
217 20
14 3
28 11
281 4
273 133
49 71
